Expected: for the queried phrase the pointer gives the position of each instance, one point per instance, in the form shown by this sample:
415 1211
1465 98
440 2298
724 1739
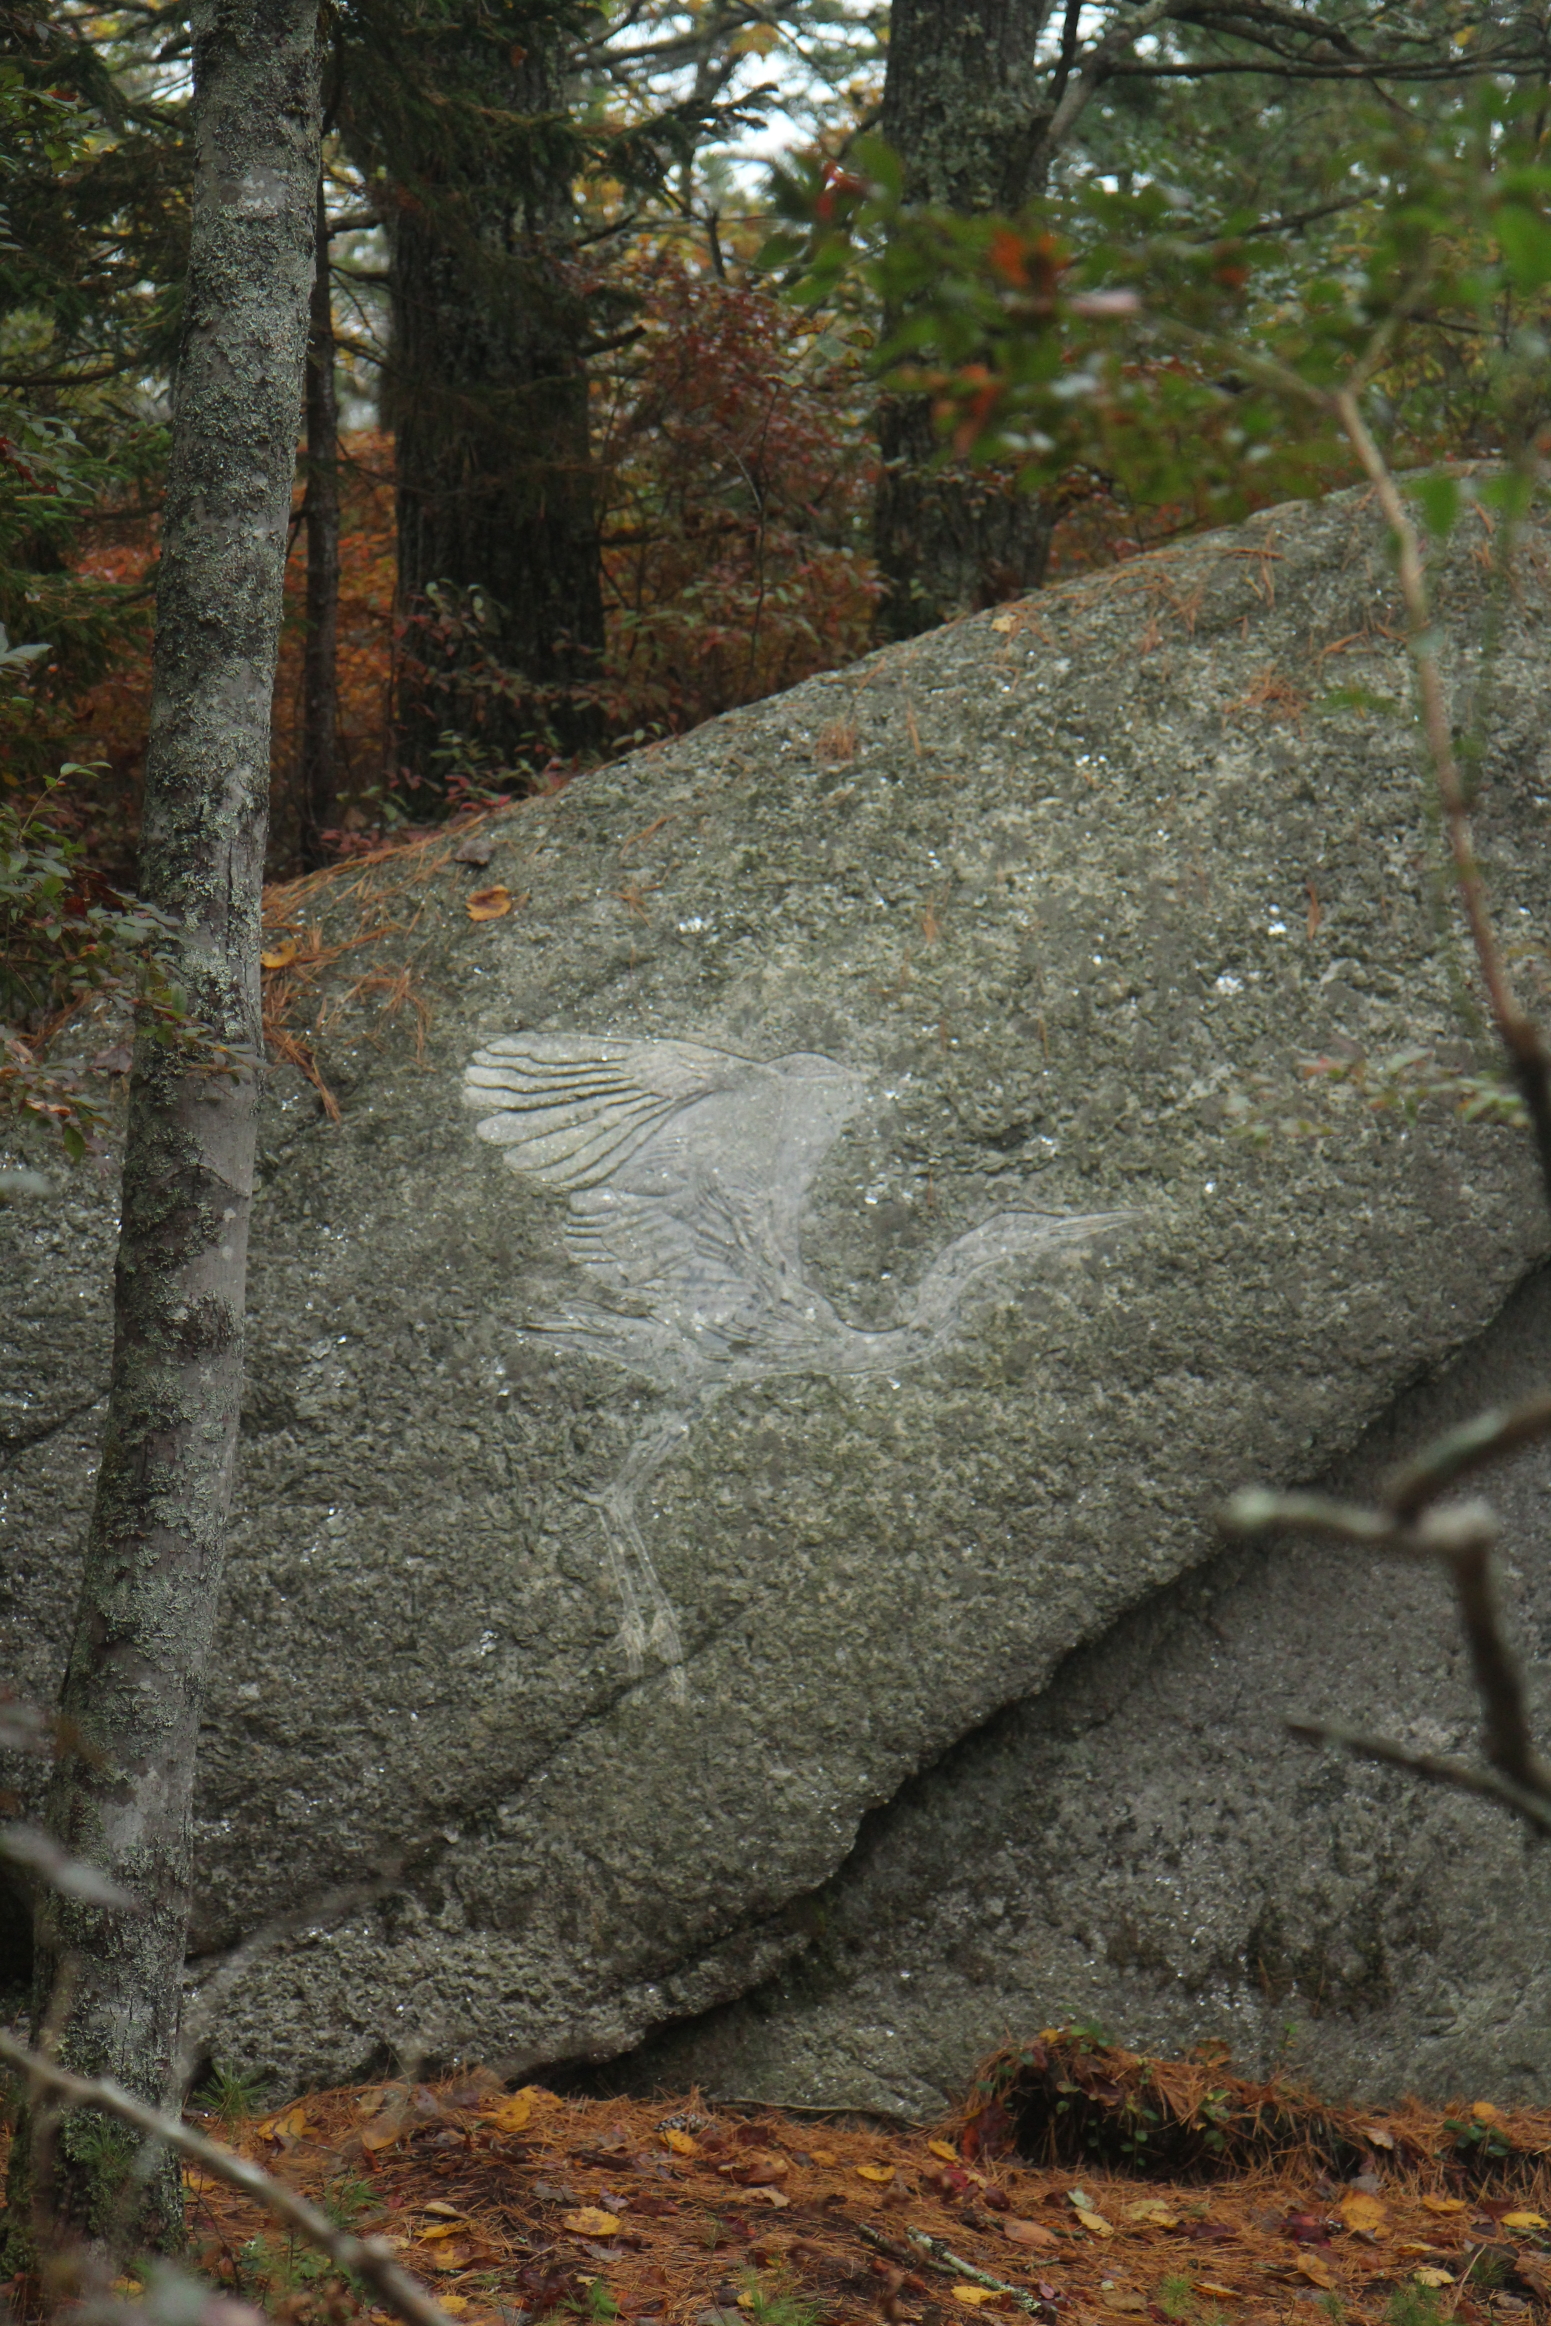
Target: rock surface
951 1713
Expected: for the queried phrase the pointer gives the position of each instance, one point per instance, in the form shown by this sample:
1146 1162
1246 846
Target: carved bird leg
647 1616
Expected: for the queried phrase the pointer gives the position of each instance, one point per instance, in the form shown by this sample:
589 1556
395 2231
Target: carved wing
570 1111
686 1168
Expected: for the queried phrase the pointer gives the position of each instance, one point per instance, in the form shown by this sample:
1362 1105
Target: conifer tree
460 118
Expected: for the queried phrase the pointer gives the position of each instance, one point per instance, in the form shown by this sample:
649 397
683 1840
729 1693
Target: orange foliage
367 577
738 473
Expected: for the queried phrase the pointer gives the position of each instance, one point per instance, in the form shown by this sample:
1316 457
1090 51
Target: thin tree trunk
320 679
966 104
107 1990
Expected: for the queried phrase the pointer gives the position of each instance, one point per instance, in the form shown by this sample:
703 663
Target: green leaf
1358 698
1524 238
1510 492
1438 498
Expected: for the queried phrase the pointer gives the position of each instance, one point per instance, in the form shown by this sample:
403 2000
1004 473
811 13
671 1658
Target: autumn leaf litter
519 2206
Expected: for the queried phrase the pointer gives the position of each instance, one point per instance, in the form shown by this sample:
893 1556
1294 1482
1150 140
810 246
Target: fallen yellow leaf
279 956
590 2221
1217 2293
444 2229
290 2124
944 2151
453 2304
488 904
757 2165
1432 2277
383 2130
824 2156
1445 2204
509 2115
876 2172
1360 2211
681 2143
1316 2271
1094 2221
1153 2215
1122 2299
1377 2134
1484 2112
973 2295
1029 2233
765 2195
1524 2221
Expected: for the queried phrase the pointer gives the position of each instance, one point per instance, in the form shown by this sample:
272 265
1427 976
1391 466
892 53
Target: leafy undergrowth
516 2207
1070 2098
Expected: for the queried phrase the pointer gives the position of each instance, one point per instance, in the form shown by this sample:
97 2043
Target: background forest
579 469
656 357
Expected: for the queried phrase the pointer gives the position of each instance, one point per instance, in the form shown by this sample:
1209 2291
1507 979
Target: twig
199 2014
1461 1537
937 2256
1434 1767
824 2108
1505 1735
1485 1438
1518 1031
1436 1534
369 2258
1256 1510
1092 66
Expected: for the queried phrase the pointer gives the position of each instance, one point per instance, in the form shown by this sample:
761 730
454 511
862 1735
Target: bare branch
1505 1731
1520 1035
369 2258
1459 1776
30 1848
1461 1537
1257 1511
1094 65
1487 1437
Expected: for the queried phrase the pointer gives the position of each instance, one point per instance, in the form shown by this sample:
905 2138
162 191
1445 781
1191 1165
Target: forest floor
523 2206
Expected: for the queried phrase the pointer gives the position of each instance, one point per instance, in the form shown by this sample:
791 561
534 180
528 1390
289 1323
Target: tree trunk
320 682
948 539
500 591
107 1991
965 107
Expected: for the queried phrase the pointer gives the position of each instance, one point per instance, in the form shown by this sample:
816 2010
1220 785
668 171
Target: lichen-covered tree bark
108 1984
966 106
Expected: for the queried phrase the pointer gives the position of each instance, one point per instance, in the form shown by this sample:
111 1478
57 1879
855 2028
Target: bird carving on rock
685 1171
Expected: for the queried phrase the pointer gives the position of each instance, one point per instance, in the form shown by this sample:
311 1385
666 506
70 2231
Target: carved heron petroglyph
685 1171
